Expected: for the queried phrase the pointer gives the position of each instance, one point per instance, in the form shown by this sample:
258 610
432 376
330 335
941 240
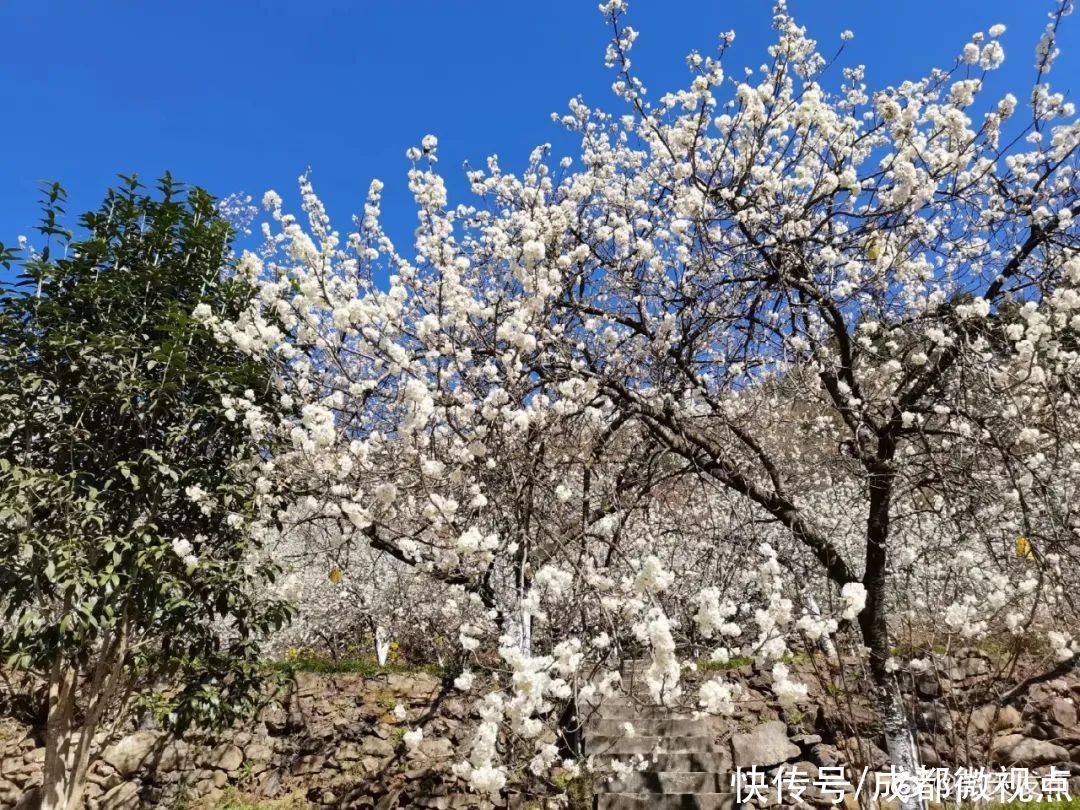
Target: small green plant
156 704
385 700
834 690
708 665
578 790
244 772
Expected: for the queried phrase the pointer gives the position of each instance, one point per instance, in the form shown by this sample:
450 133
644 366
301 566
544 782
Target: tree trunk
67 747
899 742
382 646
526 632
58 777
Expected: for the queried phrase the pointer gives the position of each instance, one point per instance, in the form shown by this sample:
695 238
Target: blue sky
240 95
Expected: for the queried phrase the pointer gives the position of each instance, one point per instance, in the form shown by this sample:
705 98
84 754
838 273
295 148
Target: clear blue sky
240 95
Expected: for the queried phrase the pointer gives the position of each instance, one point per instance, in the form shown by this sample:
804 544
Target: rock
383 731
753 705
456 708
766 745
259 752
860 717
1023 752
219 779
129 754
31 800
9 766
174 756
275 719
863 752
929 757
813 794
1037 731
927 686
270 785
413 687
1063 712
161 776
348 752
369 766
374 747
806 767
932 717
226 757
124 796
436 748
827 755
994 718
107 781
9 793
312 763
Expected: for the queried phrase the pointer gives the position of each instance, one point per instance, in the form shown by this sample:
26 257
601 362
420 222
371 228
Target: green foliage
578 790
111 416
708 665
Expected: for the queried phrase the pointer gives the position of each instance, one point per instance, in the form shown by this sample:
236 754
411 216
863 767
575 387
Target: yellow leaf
1023 548
335 575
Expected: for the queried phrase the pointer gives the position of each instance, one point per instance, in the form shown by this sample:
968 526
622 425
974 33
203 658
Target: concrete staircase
691 771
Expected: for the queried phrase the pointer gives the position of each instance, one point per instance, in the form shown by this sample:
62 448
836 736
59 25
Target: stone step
715 762
672 801
664 782
647 743
664 726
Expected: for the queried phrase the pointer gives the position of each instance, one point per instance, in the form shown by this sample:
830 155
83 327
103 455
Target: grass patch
316 663
708 665
578 790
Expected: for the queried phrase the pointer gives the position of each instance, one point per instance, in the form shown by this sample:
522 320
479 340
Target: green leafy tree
131 514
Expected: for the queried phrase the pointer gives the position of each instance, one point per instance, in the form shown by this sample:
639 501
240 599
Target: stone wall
326 740
335 740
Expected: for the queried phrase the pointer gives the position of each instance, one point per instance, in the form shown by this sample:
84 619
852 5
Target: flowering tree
127 493
352 598
592 378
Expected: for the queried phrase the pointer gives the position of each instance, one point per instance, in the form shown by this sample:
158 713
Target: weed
707 665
